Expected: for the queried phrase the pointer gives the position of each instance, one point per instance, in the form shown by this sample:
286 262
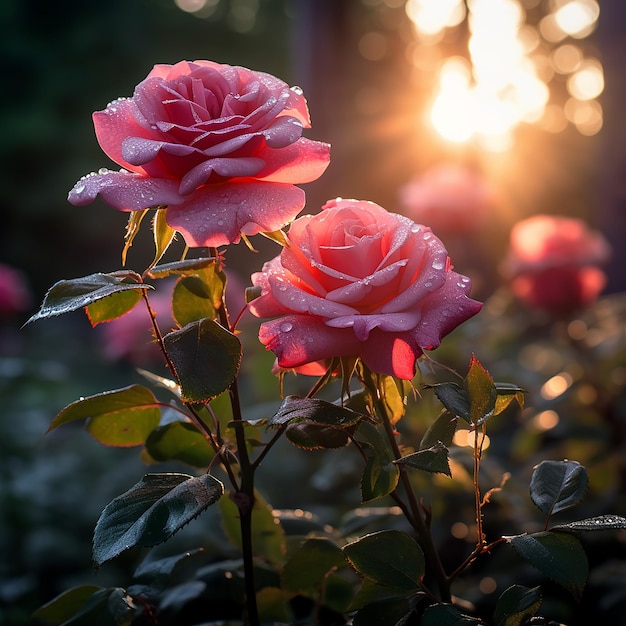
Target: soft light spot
487 585
577 18
373 46
556 386
459 530
587 82
546 420
566 58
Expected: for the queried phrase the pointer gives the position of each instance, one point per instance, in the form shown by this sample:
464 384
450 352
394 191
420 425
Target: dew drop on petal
297 90
416 228
79 189
285 327
438 265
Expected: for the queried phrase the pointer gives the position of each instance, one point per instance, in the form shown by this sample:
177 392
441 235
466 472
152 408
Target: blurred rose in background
15 295
554 263
127 338
448 197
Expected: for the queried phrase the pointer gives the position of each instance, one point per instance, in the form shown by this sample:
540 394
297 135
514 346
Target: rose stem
422 531
244 495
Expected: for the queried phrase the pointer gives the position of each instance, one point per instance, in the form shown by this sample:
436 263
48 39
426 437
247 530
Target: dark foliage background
63 60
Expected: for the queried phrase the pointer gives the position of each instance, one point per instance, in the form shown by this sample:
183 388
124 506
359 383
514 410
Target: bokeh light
506 78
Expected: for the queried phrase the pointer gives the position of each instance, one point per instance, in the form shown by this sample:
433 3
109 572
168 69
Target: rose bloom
358 281
220 146
448 197
14 293
131 338
553 262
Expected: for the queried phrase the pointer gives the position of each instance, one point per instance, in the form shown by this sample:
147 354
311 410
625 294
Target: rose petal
125 191
117 122
301 162
139 151
391 354
444 310
295 299
300 339
228 168
364 324
217 214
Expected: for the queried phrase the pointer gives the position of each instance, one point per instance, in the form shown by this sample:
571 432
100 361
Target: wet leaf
151 511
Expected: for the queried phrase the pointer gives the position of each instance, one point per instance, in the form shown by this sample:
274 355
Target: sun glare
505 81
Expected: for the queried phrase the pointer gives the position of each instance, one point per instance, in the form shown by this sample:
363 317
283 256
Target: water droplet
220 222
427 235
79 189
285 327
416 228
310 339
297 90
103 170
428 285
282 287
438 264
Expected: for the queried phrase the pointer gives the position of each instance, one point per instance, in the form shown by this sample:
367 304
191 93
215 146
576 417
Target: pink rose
553 262
220 146
448 197
356 280
131 337
14 294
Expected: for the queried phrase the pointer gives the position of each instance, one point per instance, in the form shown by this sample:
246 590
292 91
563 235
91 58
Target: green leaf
185 267
558 555
103 607
151 511
516 605
113 306
388 557
206 358
384 613
308 436
440 431
65 605
180 441
308 566
268 536
151 578
506 394
446 615
558 485
454 399
198 295
163 235
370 593
381 474
602 522
314 410
433 459
481 391
71 295
123 417
393 398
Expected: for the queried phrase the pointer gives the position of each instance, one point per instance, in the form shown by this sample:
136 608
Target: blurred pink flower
553 263
448 197
130 337
358 281
220 146
15 295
